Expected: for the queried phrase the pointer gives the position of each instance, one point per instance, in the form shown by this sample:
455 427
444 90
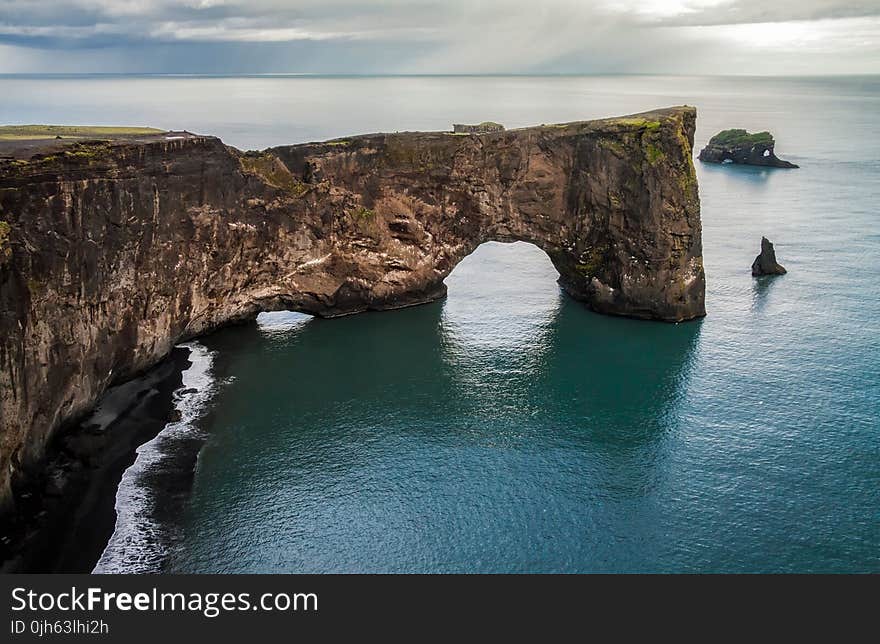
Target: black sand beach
67 514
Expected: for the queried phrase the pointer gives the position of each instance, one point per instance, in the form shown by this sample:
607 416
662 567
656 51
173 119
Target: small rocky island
765 263
739 146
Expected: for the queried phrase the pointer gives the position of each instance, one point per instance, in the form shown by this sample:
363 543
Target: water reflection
732 173
622 378
620 385
495 348
761 288
616 380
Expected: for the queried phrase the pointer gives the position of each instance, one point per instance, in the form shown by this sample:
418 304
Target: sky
765 37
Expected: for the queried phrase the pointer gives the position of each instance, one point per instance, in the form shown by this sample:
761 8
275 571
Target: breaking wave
141 542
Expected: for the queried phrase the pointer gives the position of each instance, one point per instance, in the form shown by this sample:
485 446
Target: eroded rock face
738 146
117 251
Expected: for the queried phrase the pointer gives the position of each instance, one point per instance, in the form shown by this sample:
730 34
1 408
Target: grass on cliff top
637 122
32 132
273 171
740 137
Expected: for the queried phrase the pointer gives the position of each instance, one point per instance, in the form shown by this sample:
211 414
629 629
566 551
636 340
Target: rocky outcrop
738 146
113 252
765 263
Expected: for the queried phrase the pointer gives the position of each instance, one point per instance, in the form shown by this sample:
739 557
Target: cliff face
110 253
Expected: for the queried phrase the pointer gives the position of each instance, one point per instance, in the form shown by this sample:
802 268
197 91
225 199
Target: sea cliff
111 252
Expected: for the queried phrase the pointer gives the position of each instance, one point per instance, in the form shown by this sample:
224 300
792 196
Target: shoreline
67 511
151 496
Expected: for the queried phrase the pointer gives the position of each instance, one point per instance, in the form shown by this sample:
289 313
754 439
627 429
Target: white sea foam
139 544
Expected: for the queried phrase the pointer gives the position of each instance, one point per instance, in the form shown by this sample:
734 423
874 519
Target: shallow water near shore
507 428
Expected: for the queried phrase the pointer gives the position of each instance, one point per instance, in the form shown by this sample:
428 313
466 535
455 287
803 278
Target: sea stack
739 146
765 263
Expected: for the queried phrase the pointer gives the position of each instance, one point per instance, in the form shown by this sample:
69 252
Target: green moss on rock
741 138
366 221
363 214
273 171
615 199
638 122
591 262
655 154
5 245
87 151
614 146
36 287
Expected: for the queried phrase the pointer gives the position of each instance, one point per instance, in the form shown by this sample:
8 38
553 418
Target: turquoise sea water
508 429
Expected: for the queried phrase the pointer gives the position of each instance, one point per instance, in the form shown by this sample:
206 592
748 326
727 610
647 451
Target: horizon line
439 74
427 74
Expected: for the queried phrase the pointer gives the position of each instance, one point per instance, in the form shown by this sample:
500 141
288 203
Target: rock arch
113 252
613 203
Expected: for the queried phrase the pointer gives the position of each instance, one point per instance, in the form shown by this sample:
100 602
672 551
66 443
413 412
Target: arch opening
496 272
281 321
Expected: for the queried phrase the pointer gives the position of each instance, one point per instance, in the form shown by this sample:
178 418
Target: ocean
507 428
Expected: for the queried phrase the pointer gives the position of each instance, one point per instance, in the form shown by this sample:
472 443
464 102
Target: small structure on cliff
739 146
481 128
765 263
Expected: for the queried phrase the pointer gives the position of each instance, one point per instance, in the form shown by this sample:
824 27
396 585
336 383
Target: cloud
436 36
730 12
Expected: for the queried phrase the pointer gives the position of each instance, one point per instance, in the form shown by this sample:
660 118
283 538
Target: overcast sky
441 36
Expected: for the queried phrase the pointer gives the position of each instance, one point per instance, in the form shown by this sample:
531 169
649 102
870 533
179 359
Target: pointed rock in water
765 263
739 146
